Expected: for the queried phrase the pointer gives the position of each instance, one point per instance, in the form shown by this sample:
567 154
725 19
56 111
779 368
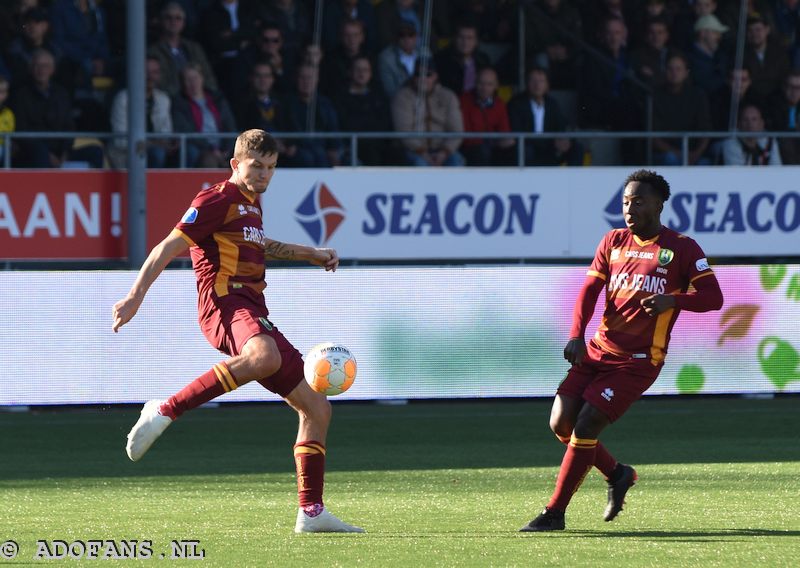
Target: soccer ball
330 368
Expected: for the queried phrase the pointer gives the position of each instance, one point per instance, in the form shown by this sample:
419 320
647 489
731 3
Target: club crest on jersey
190 216
614 254
665 256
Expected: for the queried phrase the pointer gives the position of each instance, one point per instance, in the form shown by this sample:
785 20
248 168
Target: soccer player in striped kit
647 270
224 233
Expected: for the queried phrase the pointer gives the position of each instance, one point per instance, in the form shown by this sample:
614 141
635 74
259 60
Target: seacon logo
320 214
613 211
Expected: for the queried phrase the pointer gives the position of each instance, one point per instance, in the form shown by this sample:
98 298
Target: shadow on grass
688 536
257 439
714 535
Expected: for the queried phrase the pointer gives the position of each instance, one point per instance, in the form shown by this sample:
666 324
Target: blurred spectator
313 55
606 93
651 10
259 108
392 15
174 51
310 152
751 150
738 82
708 63
437 111
596 13
35 35
787 28
458 63
396 62
765 58
484 111
649 60
197 109
534 110
363 108
268 46
45 106
551 29
337 61
158 119
679 106
227 28
79 29
492 17
191 16
786 117
337 12
7 121
295 24
684 32
729 11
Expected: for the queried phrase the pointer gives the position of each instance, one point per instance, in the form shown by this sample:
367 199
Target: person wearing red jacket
484 111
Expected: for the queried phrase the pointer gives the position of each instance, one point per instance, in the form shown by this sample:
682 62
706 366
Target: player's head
656 182
255 156
642 202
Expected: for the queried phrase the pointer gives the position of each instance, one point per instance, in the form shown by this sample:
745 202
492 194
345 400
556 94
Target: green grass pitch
435 484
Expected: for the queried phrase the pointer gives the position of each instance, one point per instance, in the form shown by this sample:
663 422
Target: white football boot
148 428
324 522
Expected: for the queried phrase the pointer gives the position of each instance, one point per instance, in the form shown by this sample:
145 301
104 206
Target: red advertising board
169 195
66 215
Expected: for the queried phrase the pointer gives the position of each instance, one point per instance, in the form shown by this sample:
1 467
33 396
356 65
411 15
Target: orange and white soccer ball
330 368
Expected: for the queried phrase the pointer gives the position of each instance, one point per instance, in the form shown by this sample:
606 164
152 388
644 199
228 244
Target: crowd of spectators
222 66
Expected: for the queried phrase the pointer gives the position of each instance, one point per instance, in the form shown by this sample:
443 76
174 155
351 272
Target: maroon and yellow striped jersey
224 229
633 269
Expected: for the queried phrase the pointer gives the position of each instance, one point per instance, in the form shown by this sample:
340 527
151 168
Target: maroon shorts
237 319
608 382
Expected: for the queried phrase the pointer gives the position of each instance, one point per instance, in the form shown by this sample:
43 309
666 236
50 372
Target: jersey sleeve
205 215
696 264
707 294
600 265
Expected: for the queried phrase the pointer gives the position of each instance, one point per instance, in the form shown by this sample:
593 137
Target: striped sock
218 380
309 459
578 460
603 460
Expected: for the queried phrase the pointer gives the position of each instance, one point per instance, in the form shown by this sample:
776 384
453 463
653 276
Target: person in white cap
708 62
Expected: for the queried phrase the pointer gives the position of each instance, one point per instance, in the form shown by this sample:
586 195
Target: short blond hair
257 140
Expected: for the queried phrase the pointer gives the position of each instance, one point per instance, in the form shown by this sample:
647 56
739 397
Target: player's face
641 207
256 170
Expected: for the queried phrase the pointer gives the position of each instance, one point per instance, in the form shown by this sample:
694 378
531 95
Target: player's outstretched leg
148 428
623 478
158 414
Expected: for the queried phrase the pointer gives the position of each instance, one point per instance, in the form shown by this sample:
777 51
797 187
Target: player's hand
575 351
657 303
326 258
123 311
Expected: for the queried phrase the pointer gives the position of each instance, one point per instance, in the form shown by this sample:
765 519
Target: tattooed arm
324 257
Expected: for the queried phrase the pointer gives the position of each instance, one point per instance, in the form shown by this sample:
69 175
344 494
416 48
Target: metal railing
352 139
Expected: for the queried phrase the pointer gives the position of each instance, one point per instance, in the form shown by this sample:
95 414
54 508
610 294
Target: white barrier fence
494 331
